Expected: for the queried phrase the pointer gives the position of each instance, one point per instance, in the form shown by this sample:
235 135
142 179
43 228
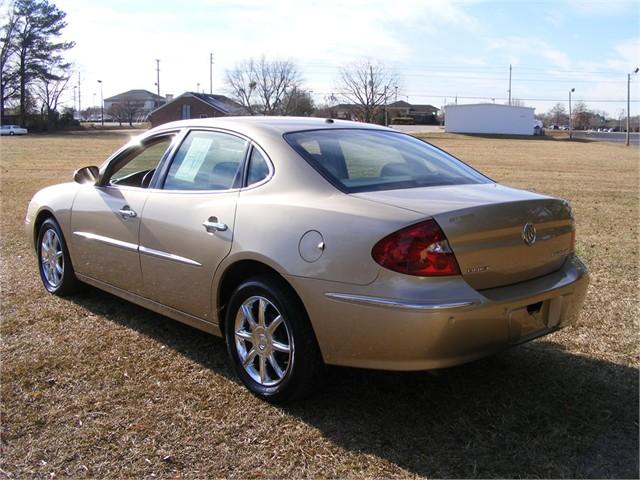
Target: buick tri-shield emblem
529 234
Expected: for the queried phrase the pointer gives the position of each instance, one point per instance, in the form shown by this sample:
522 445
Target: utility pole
509 84
629 103
396 97
158 75
386 117
211 73
570 117
79 98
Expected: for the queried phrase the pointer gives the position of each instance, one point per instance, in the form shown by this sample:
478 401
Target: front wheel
271 342
54 262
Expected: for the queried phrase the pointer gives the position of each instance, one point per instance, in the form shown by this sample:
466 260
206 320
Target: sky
440 50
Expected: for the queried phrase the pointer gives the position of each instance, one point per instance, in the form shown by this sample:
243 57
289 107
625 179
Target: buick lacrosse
310 242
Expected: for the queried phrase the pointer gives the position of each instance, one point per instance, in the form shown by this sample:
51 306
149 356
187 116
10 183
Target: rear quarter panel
272 218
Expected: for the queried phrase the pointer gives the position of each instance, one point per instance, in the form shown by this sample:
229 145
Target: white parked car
12 130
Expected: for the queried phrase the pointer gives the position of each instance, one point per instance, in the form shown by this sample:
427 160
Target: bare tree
241 81
264 86
298 102
48 89
558 113
368 85
118 113
581 116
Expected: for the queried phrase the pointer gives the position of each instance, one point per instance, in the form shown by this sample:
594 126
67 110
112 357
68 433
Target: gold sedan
311 242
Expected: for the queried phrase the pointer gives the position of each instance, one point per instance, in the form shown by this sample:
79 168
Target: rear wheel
271 342
54 263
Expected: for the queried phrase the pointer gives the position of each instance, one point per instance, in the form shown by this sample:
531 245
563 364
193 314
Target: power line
412 93
440 67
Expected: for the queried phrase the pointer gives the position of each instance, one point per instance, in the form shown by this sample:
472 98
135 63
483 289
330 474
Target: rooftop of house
137 94
220 102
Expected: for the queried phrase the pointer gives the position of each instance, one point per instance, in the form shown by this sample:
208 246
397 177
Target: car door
187 223
105 220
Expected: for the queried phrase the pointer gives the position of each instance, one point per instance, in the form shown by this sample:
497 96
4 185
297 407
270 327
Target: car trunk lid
499 235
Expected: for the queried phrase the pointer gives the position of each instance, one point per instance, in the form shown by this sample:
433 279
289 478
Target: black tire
302 368
11 134
59 279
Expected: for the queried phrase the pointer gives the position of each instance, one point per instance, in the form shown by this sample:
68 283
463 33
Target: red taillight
420 249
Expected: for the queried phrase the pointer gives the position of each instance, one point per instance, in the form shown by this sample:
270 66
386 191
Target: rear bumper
406 323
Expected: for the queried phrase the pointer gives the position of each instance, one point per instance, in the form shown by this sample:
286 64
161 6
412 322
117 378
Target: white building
489 118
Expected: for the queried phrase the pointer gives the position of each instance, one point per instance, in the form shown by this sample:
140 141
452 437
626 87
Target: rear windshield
366 160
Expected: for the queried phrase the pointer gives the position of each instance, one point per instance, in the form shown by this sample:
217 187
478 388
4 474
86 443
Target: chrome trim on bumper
107 240
393 303
168 256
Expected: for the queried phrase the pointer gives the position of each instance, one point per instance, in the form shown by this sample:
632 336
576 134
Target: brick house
138 102
196 105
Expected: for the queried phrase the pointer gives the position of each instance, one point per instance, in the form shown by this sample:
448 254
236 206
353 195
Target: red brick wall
173 111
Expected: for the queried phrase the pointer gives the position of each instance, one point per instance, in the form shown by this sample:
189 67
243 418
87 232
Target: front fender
56 200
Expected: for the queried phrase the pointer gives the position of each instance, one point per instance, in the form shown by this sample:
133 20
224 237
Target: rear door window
207 161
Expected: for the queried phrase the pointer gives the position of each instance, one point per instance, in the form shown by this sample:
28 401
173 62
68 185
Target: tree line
275 87
33 71
584 118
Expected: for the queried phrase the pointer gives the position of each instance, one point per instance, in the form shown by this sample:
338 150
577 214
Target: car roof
269 125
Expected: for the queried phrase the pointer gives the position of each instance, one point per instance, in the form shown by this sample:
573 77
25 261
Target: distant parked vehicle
12 130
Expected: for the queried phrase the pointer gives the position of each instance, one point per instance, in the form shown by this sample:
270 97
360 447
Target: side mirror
86 175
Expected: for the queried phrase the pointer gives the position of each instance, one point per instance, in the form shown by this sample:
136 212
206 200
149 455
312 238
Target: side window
258 168
137 168
206 161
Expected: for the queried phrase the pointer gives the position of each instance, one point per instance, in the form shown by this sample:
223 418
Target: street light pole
570 117
211 73
629 103
158 75
101 104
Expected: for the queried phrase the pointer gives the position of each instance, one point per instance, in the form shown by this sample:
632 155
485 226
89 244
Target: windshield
366 160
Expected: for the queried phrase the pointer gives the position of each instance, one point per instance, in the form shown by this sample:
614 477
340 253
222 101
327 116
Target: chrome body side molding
136 248
107 240
168 256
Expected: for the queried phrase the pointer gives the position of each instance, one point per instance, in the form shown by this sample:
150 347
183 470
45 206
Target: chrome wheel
51 258
263 341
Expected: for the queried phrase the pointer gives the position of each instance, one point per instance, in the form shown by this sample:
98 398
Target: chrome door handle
212 225
126 212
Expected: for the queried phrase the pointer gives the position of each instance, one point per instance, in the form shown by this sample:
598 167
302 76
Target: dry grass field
94 387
